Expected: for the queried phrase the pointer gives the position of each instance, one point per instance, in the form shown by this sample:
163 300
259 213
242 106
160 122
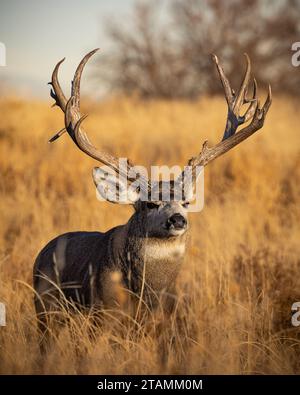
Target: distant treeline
164 49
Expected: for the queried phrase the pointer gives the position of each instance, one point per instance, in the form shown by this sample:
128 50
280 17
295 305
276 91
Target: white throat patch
164 250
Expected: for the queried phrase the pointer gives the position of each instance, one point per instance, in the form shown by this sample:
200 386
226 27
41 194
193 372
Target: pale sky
38 33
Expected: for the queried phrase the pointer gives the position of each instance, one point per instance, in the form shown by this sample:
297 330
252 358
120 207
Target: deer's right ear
113 188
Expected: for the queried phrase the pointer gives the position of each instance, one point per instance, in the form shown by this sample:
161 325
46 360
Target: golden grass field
242 272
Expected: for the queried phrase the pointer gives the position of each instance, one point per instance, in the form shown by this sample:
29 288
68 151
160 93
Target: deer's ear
113 188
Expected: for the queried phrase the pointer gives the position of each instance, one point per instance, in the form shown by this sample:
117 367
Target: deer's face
165 219
164 216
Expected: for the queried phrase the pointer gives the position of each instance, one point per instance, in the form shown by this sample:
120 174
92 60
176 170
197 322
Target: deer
145 255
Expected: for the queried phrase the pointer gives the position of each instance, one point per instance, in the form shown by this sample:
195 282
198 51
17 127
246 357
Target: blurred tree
172 59
144 58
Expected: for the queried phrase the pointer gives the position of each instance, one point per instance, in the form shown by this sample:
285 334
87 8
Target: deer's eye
185 204
151 205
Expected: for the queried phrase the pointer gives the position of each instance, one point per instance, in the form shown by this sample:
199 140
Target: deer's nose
177 221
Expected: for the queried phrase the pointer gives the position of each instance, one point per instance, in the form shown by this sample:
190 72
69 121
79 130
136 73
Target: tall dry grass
242 271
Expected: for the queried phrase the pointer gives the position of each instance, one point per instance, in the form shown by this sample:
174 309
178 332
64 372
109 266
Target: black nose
177 221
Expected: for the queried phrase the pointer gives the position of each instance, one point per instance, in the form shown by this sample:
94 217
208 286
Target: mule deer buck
144 255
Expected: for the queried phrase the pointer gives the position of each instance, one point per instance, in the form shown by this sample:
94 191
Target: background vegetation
165 52
241 274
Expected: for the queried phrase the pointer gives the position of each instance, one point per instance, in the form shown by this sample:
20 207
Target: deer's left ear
113 188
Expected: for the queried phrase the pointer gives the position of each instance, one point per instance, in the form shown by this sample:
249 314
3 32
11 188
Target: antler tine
252 108
229 93
251 111
57 93
240 100
75 91
268 102
253 94
57 135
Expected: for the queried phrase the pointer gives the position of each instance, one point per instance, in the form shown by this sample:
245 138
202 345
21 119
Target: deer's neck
162 259
157 260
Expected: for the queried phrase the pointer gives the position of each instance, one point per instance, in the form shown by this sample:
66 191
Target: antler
255 113
234 119
73 121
